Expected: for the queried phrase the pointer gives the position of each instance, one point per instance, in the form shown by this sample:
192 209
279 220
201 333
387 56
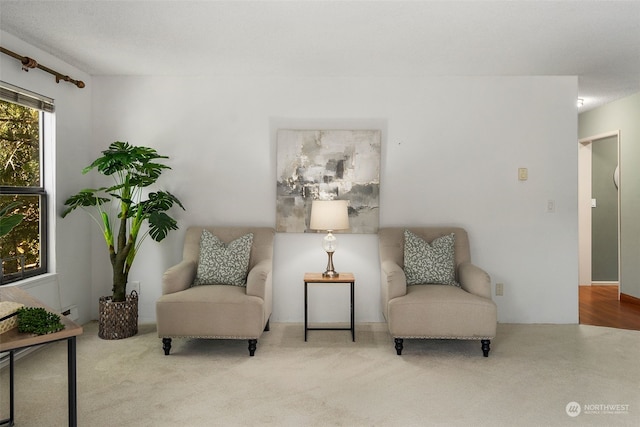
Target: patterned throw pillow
223 263
426 263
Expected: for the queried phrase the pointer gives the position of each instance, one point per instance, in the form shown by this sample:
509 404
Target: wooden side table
13 340
341 278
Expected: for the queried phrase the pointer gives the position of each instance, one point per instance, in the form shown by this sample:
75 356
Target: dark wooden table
13 340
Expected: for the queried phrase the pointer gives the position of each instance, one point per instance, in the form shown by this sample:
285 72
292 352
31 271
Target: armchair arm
179 277
474 280
394 282
259 278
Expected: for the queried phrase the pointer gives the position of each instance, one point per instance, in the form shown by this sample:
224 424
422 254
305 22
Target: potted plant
132 168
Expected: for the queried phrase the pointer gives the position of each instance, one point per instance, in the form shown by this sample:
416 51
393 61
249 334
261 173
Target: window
23 119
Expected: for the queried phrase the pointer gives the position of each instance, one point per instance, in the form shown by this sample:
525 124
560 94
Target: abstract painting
328 165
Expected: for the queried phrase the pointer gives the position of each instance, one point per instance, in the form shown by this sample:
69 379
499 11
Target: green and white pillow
429 263
223 263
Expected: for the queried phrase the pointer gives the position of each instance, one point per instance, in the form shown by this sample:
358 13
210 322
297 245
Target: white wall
70 238
585 157
451 150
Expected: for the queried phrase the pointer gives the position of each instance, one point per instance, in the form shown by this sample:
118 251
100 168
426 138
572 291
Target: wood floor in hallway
599 306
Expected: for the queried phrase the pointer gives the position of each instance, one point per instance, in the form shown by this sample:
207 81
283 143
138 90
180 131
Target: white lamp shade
329 215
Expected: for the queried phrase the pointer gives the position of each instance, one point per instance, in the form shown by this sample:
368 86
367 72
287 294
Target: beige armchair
435 311
217 311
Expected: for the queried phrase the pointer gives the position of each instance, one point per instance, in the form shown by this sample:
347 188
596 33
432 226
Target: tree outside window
21 134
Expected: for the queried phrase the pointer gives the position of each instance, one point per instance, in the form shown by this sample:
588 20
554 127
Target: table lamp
329 216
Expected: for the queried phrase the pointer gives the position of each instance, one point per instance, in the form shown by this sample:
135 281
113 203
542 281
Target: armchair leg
166 345
485 347
252 347
399 345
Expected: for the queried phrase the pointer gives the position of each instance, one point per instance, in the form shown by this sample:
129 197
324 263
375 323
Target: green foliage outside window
20 167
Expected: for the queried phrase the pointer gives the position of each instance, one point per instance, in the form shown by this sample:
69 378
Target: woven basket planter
118 319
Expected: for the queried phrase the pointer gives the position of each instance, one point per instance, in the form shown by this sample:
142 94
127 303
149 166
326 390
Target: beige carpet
533 372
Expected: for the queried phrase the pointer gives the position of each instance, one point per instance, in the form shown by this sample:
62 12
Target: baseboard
629 299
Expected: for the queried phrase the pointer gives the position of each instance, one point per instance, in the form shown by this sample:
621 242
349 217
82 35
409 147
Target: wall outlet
71 312
134 286
499 289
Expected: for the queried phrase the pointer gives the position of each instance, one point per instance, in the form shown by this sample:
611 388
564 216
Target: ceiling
599 41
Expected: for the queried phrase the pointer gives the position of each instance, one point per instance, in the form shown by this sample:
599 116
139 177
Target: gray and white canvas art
328 165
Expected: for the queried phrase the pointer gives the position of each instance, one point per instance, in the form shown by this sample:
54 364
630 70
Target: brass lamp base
330 271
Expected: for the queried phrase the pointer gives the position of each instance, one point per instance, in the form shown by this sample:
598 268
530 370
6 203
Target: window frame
25 98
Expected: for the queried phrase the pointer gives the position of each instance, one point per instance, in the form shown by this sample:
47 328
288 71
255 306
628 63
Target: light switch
551 206
593 203
523 174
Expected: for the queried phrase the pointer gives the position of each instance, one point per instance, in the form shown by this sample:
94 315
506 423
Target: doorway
599 210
